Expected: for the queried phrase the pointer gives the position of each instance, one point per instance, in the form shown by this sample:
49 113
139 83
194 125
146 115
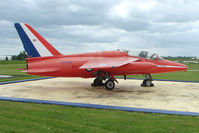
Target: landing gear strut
109 83
148 81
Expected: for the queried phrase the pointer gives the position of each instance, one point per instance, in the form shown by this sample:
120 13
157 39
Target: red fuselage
69 65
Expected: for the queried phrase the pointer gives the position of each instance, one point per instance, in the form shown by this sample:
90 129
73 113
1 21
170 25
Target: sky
167 27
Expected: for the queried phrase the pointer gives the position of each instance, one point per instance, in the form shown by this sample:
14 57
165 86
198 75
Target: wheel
109 84
93 85
152 85
147 83
143 83
97 82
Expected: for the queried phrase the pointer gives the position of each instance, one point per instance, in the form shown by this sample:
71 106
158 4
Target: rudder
34 44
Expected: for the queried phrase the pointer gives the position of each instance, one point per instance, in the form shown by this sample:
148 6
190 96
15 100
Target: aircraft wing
111 62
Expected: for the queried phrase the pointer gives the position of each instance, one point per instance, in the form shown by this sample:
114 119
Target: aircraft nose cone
171 66
179 66
184 67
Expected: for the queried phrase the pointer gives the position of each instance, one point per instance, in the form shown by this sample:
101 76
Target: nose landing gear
148 81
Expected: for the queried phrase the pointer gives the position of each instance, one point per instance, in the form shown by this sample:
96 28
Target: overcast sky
167 27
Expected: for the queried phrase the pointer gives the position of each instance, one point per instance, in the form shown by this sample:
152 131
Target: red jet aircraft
45 60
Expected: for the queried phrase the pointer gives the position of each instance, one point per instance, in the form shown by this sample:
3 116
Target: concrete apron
176 96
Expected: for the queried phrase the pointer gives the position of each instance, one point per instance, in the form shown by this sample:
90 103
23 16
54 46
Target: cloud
93 25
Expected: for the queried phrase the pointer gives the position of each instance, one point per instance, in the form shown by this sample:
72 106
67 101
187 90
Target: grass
187 76
13 62
32 118
12 68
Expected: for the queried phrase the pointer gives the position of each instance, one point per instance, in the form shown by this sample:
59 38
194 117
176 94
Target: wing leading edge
111 62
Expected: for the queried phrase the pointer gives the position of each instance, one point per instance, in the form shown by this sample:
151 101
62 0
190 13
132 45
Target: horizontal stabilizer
44 70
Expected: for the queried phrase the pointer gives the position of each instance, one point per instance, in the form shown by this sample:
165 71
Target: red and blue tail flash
34 44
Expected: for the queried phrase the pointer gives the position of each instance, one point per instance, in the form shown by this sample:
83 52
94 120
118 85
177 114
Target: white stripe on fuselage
170 66
43 51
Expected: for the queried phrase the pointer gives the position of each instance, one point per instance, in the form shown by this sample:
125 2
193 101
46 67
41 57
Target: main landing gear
109 83
148 81
104 79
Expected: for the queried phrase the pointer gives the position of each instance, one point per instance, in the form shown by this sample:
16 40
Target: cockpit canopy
144 54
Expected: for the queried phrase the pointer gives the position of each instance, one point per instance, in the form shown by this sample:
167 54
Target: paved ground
165 95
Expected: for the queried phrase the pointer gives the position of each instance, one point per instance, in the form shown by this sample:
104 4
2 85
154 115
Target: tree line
21 56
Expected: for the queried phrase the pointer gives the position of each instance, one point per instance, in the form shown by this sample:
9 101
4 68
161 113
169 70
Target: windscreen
144 54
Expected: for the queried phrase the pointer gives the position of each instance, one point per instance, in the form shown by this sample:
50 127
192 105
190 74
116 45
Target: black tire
147 83
97 82
152 85
109 84
143 83
93 85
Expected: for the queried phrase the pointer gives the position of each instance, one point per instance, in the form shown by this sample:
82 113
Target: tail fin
34 44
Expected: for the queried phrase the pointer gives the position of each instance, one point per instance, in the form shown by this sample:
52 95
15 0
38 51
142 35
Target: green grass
13 62
192 66
35 118
188 75
11 68
177 59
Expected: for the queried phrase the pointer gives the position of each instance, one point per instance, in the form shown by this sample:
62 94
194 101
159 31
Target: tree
6 58
14 57
20 56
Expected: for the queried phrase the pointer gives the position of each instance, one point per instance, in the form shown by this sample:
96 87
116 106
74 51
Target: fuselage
69 65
